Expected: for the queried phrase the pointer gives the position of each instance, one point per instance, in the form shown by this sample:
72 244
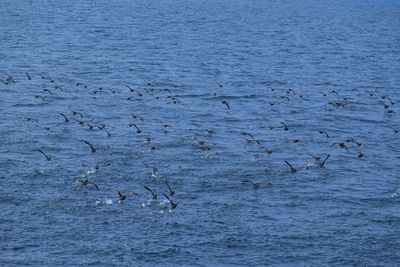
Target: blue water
271 61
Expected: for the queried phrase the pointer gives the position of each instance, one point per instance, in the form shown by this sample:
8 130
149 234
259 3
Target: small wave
396 193
106 202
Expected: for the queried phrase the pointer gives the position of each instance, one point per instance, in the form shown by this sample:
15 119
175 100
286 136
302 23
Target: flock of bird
74 118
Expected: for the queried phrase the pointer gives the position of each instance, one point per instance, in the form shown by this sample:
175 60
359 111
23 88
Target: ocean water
327 66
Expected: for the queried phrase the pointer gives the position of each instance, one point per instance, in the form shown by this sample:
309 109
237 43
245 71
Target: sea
275 124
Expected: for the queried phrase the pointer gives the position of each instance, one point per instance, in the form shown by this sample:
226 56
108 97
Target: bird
226 104
77 113
324 133
173 204
47 90
318 160
59 88
66 120
293 170
104 129
9 79
245 133
80 83
41 97
285 128
385 106
341 145
91 146
371 93
395 130
334 92
122 196
47 156
137 128
171 192
252 141
154 172
137 117
32 119
354 141
153 194
269 151
360 155
86 182
255 184
210 132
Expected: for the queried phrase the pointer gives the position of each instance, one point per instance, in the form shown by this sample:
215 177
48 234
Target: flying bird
153 194
226 104
171 192
86 182
47 156
91 146
293 170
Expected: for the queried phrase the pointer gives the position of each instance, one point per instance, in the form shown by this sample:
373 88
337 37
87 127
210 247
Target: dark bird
47 157
81 84
324 133
337 104
171 192
58 88
77 113
371 93
47 90
354 141
293 170
41 97
334 92
81 122
201 142
104 129
173 204
284 126
9 79
360 155
285 97
318 160
137 117
137 128
207 147
245 133
269 151
341 145
32 119
252 141
226 103
386 106
256 185
122 196
86 182
395 130
27 75
153 194
65 117
91 146
210 132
